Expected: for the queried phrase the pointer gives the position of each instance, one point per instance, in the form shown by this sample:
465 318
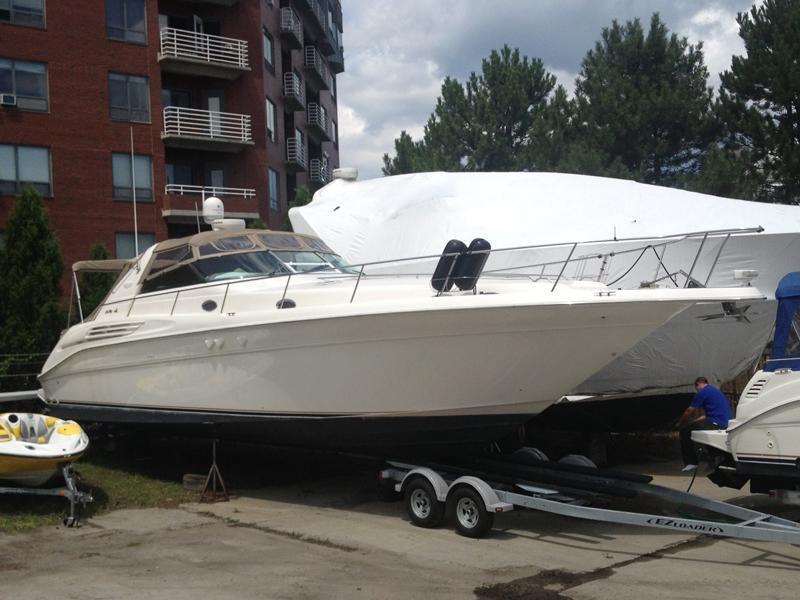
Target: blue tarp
789 286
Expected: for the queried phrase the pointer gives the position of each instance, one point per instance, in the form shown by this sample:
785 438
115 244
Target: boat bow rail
589 266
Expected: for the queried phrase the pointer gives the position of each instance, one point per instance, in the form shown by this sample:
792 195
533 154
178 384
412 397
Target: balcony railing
320 20
318 123
194 128
295 154
319 172
316 69
291 27
206 191
293 92
179 43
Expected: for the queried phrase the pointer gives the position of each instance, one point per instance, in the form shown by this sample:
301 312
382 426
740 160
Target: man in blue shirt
709 409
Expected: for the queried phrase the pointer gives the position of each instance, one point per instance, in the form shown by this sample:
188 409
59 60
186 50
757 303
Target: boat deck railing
551 269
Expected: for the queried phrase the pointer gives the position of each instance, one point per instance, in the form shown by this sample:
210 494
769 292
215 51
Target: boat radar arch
214 215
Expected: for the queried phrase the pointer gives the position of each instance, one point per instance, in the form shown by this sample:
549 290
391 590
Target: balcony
295 155
336 61
181 203
319 127
320 22
206 130
206 191
317 74
291 28
293 92
192 53
319 172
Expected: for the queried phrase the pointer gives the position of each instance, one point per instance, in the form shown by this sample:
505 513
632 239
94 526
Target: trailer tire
422 505
577 460
469 511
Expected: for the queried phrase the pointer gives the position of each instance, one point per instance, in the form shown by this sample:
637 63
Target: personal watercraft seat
33 428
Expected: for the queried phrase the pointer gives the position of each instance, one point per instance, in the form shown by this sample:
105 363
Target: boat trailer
473 490
69 491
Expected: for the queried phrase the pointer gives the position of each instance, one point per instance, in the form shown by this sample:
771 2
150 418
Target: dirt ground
323 533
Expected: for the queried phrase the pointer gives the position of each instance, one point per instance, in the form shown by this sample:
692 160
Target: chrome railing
290 23
179 43
208 124
295 152
319 171
205 191
317 116
357 271
293 86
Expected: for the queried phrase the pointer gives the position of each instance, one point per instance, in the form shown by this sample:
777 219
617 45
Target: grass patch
112 487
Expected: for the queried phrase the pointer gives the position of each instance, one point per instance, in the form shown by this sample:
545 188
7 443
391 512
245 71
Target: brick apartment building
235 98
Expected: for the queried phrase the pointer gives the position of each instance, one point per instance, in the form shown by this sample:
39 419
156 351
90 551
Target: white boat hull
445 364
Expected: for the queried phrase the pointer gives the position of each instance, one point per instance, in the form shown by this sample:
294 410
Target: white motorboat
269 334
638 240
762 444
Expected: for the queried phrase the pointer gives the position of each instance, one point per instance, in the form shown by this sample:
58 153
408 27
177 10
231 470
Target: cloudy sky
398 52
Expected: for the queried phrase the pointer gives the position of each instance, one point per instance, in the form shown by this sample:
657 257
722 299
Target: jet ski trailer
471 491
762 444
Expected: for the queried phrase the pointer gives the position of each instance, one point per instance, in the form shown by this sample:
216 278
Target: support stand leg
214 489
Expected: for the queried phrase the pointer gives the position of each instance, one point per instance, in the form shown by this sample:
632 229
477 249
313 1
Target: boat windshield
231 258
304 261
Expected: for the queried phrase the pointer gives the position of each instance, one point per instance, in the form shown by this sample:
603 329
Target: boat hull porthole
209 305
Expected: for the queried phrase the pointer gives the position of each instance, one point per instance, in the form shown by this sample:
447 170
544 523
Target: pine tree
31 316
481 125
302 196
643 106
95 286
760 101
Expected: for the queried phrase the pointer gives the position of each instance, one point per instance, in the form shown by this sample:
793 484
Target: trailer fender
436 480
489 496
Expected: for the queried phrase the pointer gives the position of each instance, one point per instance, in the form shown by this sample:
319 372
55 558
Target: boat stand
70 491
504 485
214 489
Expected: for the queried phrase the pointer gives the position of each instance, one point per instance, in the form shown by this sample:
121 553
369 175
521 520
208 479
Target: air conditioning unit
8 100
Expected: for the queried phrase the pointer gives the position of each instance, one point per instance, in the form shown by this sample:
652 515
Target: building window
271 131
27 80
267 47
125 20
22 12
274 204
178 173
24 165
125 247
334 132
128 97
122 177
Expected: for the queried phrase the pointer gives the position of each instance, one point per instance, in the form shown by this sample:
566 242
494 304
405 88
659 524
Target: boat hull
425 372
30 471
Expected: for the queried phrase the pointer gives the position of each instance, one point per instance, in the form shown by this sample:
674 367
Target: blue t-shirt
715 405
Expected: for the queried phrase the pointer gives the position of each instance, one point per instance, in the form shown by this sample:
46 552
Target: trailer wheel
528 455
422 505
471 517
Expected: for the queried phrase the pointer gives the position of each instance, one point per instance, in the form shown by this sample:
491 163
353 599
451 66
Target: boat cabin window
230 244
221 267
239 257
170 258
239 266
304 261
272 240
793 341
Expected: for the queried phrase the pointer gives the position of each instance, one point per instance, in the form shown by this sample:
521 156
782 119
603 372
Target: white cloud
398 53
